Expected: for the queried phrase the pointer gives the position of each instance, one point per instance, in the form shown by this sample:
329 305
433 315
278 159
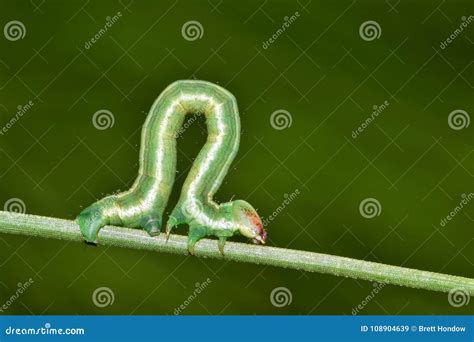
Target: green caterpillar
143 205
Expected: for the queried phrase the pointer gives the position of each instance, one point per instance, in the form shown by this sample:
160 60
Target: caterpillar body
143 205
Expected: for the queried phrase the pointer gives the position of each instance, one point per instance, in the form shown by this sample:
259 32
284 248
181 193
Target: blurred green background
320 71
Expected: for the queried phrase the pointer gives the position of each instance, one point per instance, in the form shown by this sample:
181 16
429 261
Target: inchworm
143 205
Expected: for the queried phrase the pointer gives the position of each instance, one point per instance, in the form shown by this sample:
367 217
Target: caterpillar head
249 223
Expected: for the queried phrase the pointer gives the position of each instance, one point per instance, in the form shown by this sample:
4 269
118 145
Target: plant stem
47 227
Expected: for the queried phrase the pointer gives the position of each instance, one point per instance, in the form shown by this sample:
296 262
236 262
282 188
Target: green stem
13 223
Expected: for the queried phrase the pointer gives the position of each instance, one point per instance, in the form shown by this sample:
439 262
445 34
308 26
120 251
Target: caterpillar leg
111 210
196 233
151 225
90 224
221 221
91 219
185 212
221 244
173 222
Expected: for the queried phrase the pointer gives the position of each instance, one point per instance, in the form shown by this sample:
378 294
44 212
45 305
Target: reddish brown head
248 222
